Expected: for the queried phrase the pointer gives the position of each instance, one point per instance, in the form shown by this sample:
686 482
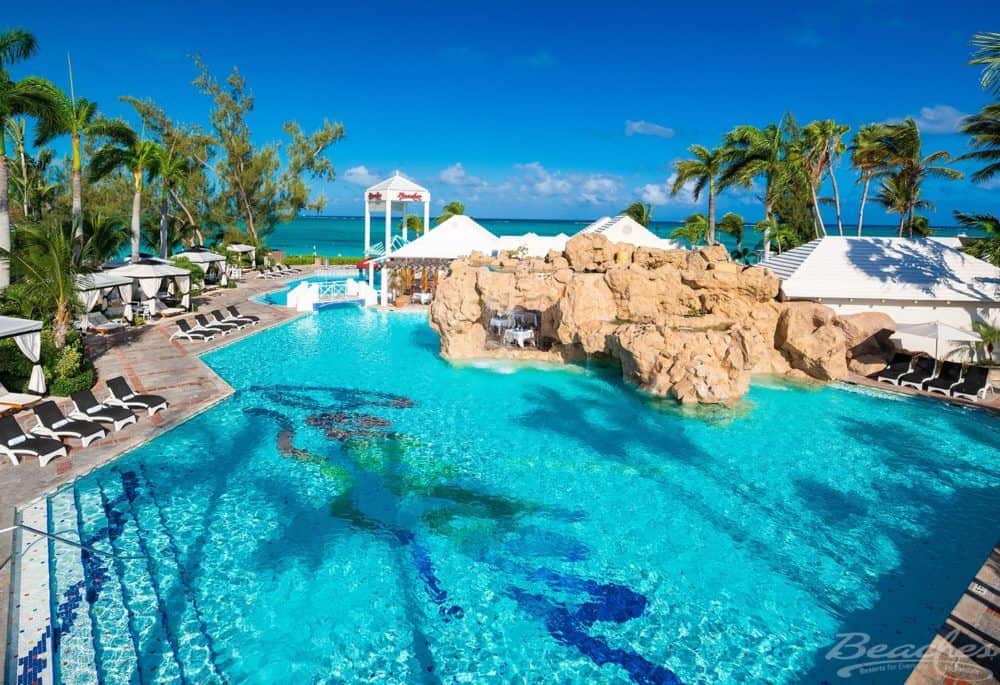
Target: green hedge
66 370
297 259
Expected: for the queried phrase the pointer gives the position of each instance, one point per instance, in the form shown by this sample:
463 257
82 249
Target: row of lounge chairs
924 373
90 420
205 328
278 271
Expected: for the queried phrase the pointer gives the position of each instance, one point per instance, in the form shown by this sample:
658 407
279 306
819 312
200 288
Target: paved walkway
151 363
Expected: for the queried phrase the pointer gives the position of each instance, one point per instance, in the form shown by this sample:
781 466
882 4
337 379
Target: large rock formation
687 324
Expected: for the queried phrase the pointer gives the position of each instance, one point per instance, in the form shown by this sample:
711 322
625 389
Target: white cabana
241 249
94 288
398 191
27 334
150 275
625 229
534 245
208 261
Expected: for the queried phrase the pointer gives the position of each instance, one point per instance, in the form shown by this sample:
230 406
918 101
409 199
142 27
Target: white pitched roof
10 326
455 237
150 268
200 256
536 245
625 229
885 269
397 183
101 279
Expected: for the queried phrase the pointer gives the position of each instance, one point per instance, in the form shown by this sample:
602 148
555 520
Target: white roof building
394 192
625 229
914 281
455 237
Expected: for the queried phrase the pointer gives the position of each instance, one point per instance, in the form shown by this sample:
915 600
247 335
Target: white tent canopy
242 249
149 275
27 334
207 260
397 190
455 237
93 287
625 229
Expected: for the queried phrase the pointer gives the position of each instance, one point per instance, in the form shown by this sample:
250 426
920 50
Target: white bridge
310 296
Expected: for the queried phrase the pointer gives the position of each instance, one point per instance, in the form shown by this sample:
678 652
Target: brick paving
151 363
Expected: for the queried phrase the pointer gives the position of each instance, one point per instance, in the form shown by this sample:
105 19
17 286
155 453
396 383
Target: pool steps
68 597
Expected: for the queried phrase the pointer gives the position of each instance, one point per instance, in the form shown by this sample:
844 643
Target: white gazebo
207 261
28 336
93 288
397 190
241 249
150 275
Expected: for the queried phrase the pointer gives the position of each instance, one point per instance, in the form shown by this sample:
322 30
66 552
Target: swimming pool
280 297
361 510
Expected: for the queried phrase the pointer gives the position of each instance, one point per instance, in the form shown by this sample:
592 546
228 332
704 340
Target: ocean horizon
343 236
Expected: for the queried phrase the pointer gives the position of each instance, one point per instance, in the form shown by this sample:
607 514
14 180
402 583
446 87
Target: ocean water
362 511
345 236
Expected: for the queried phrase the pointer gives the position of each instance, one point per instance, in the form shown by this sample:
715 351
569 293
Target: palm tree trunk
902 222
25 195
767 229
4 217
820 227
711 211
163 227
77 211
136 211
836 200
864 199
60 324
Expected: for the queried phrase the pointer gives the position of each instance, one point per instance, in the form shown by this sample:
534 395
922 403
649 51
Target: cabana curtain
31 345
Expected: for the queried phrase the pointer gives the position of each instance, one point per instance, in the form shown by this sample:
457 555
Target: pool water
362 511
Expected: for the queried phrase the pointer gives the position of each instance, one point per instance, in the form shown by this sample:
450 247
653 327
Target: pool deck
151 363
991 405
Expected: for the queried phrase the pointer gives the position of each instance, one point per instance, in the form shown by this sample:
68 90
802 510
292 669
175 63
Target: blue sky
537 110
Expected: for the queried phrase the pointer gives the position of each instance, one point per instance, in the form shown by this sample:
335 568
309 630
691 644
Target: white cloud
659 193
647 128
456 175
360 175
939 119
536 181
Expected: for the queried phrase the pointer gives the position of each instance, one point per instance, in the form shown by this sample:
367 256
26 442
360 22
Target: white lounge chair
16 400
15 443
53 423
86 406
98 323
123 395
186 331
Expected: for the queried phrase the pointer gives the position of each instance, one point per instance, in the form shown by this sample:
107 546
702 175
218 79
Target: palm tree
988 54
32 96
900 194
641 212
870 157
912 167
694 229
172 170
47 268
703 169
141 158
732 224
753 152
984 128
451 209
103 239
17 129
77 117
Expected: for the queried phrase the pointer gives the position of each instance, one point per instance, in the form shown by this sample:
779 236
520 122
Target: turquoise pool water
361 511
280 297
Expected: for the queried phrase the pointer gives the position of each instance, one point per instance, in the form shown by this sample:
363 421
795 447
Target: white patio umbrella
937 331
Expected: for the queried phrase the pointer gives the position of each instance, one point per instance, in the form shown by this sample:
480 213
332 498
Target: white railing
331 290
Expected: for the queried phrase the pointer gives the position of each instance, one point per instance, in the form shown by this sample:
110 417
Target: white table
499 322
422 298
519 336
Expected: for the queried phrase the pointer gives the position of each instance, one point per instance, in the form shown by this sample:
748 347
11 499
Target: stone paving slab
151 363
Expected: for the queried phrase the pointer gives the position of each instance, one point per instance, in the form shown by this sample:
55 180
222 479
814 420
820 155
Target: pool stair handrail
65 541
